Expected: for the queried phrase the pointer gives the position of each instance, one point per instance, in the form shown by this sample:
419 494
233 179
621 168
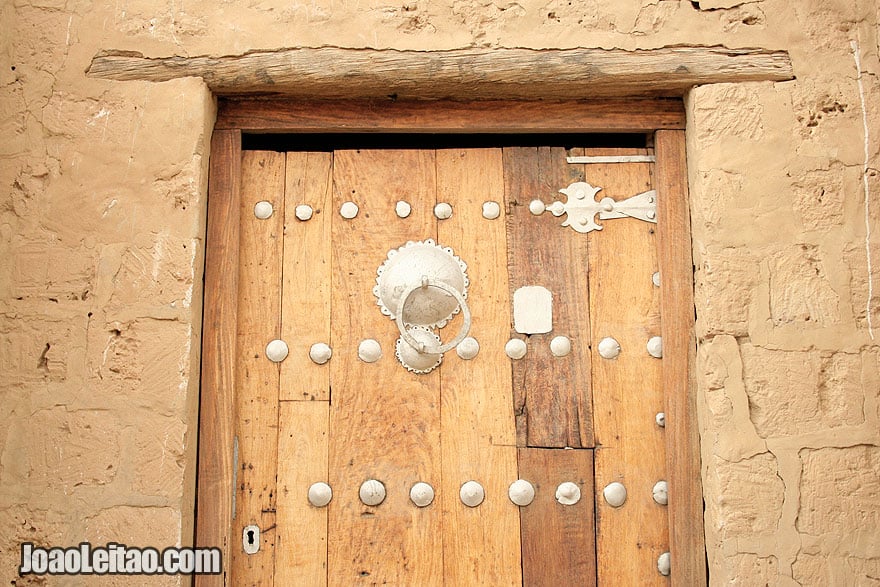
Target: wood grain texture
627 391
305 306
332 72
674 249
301 533
552 394
558 541
480 545
420 116
384 421
257 378
217 397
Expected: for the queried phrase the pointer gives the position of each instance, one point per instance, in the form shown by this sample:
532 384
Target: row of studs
370 351
348 210
521 492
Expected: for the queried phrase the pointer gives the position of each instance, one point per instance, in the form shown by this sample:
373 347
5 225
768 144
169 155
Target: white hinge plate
581 207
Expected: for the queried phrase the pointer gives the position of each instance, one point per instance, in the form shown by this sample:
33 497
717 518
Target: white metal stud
491 210
655 279
277 351
660 418
372 492
263 210
660 492
521 492
664 564
320 494
472 494
349 210
369 351
560 346
614 494
320 353
304 212
568 493
655 347
402 209
515 348
421 494
537 207
443 210
468 348
609 348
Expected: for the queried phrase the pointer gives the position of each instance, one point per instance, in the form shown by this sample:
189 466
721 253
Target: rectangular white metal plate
532 310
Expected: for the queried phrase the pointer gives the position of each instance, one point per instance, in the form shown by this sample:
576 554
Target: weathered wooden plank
487 116
481 545
558 540
677 325
553 406
217 398
333 72
627 391
305 307
385 421
301 532
257 378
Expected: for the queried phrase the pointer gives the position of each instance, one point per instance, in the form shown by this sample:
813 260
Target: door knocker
422 286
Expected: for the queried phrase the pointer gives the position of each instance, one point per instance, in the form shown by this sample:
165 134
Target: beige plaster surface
102 203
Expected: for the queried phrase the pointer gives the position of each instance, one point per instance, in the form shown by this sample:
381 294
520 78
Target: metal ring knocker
422 347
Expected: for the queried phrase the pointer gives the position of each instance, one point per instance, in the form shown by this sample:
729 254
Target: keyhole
250 535
250 539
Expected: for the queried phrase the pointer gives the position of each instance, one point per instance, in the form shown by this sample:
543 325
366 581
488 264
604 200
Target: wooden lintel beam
472 74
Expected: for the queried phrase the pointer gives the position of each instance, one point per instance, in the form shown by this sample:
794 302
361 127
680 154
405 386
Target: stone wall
102 201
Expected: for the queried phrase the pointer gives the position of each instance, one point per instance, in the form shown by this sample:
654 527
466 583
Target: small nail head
443 210
320 494
263 210
560 346
655 347
614 494
421 494
468 348
372 492
521 492
650 214
277 351
609 348
304 212
349 210
403 209
320 353
472 494
369 351
515 348
491 210
568 493
537 207
660 493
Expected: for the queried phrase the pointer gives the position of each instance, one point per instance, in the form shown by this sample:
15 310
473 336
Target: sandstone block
725 283
746 498
819 196
799 288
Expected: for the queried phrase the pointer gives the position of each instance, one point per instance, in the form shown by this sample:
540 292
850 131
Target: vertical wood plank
257 378
384 420
217 397
481 545
305 307
553 394
301 533
687 548
558 540
627 390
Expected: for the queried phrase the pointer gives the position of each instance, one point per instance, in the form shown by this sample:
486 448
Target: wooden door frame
665 118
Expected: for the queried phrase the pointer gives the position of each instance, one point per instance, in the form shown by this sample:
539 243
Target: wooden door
306 276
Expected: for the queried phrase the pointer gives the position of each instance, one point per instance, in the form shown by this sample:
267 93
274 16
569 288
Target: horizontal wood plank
334 72
414 116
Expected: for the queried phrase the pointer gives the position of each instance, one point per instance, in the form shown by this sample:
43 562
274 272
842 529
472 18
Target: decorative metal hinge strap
582 207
